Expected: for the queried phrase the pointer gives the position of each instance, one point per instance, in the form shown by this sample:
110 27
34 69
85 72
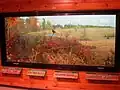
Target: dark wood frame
54 66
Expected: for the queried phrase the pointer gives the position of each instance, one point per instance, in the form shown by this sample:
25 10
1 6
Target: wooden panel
36 72
55 5
9 70
66 74
51 82
102 76
100 1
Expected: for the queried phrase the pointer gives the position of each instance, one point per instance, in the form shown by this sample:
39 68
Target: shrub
109 35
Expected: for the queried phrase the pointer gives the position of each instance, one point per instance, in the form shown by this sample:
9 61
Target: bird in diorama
53 32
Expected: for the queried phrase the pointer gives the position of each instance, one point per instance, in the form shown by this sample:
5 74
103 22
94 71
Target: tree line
32 24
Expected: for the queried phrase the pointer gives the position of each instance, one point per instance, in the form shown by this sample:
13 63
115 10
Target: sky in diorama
68 40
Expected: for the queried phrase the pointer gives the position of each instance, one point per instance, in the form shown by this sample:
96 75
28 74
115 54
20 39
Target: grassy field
91 33
84 46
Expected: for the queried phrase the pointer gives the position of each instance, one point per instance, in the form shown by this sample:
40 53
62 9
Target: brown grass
67 48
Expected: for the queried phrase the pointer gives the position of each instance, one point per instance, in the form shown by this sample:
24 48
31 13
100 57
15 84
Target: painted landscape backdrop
70 40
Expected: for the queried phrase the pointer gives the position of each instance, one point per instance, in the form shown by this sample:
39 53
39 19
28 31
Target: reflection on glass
69 40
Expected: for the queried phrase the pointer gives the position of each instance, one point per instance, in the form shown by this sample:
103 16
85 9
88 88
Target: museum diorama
56 45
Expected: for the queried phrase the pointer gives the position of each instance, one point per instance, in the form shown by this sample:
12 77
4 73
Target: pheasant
53 31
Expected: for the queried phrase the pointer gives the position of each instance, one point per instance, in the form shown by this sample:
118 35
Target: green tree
43 24
48 25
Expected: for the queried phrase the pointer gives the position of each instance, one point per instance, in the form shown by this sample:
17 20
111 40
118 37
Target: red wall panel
41 5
